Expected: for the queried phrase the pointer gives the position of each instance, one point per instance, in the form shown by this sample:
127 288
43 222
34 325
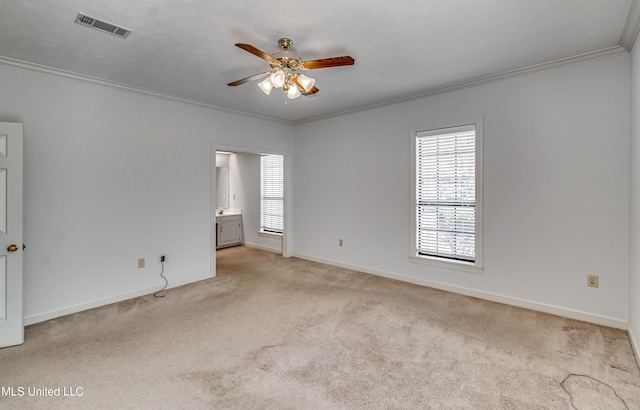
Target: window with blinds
271 193
445 167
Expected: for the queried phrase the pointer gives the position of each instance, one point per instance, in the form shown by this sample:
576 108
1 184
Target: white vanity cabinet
229 230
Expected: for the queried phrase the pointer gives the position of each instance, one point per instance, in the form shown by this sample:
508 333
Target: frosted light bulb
307 83
277 79
266 86
293 92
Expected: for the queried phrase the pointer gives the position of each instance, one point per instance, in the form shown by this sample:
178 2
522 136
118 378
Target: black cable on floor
594 379
166 283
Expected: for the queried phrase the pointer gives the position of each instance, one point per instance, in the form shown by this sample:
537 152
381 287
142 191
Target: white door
11 327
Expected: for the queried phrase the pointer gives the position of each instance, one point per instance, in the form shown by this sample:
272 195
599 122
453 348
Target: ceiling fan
285 65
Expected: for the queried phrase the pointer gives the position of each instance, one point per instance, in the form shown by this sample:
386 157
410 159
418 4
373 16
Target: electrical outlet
340 243
592 281
140 263
162 258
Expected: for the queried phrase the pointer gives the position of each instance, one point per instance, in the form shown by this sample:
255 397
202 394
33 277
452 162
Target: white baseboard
41 317
263 248
634 344
507 300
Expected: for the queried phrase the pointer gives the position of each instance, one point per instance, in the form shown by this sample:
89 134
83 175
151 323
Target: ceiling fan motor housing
288 59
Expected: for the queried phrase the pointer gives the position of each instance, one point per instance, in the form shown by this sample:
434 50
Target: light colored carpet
276 333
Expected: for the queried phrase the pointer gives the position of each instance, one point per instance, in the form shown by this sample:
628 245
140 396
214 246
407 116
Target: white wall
112 176
634 214
555 188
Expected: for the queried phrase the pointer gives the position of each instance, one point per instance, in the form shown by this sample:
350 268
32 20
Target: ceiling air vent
101 25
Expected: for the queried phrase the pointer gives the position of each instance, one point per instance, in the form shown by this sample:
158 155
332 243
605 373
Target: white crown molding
604 53
42 69
631 27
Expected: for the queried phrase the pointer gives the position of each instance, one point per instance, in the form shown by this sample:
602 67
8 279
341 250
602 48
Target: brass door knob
12 248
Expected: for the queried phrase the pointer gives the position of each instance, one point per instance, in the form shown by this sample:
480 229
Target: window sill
272 235
447 264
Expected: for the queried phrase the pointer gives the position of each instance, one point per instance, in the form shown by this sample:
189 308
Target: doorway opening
237 194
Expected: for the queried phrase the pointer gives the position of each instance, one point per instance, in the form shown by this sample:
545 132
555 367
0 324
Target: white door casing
11 214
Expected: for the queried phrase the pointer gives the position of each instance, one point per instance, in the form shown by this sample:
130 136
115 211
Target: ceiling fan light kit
293 92
285 65
307 83
278 78
266 86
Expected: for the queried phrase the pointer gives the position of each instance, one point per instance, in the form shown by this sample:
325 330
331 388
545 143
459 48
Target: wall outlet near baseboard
140 263
592 281
340 243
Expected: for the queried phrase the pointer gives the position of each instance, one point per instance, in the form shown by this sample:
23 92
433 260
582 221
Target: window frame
262 231
477 265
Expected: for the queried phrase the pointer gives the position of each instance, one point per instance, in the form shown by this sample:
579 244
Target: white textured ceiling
185 48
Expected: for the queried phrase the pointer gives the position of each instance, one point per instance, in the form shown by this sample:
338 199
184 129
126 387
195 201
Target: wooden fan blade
313 91
246 80
328 62
256 52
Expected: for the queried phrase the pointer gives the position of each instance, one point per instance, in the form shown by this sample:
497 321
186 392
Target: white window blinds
446 193
272 193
